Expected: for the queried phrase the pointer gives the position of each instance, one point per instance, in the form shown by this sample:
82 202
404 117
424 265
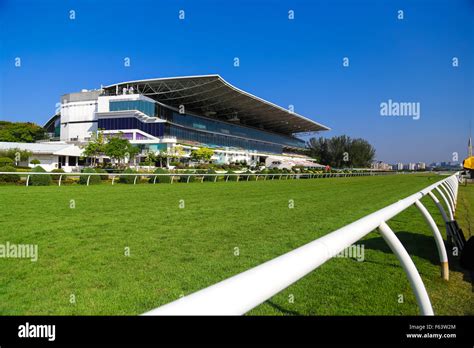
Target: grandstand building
194 111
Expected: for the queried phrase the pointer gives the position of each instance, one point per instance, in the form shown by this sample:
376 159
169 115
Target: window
216 126
72 161
155 129
148 108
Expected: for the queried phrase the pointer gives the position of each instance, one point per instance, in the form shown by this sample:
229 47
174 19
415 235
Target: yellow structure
468 163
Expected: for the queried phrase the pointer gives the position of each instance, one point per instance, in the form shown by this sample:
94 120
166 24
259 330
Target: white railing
202 176
239 294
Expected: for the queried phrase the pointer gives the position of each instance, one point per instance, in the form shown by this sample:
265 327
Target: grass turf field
175 251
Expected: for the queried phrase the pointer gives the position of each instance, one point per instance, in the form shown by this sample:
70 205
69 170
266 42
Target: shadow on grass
416 244
422 246
281 309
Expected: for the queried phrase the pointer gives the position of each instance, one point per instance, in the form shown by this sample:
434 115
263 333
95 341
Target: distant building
188 111
421 166
380 165
400 166
51 155
411 166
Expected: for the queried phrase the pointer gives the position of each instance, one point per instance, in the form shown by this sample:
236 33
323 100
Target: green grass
177 251
465 209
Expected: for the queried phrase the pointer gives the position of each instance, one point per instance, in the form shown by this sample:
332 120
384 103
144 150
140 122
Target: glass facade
184 127
148 108
218 140
215 126
155 129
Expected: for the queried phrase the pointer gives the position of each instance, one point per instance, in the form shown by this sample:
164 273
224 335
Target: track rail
242 292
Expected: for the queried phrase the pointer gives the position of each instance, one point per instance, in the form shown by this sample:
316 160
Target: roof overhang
212 96
51 120
72 150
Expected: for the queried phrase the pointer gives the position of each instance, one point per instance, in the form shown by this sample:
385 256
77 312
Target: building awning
45 148
212 96
72 150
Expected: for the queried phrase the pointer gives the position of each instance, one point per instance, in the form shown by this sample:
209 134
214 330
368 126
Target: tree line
21 132
342 151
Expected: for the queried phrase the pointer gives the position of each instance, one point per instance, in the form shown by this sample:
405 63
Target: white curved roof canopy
212 96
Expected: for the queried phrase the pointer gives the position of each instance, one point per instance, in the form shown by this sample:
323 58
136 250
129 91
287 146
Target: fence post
59 182
448 195
451 216
113 179
439 205
443 256
27 180
88 178
154 179
412 273
450 188
135 180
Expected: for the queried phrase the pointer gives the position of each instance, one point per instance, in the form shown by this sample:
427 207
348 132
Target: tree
342 151
16 154
202 154
150 158
119 148
176 152
163 155
95 147
362 153
21 132
318 148
340 148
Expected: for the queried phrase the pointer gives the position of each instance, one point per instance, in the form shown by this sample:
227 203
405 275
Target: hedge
188 178
57 170
161 179
210 177
40 180
231 177
102 171
249 175
94 179
128 179
5 161
11 178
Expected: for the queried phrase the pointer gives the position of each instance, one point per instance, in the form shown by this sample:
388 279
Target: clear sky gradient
297 62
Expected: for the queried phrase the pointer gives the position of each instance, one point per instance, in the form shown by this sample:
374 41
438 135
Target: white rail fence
240 293
201 176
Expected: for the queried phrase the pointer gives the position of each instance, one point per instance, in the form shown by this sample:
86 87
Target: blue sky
297 62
